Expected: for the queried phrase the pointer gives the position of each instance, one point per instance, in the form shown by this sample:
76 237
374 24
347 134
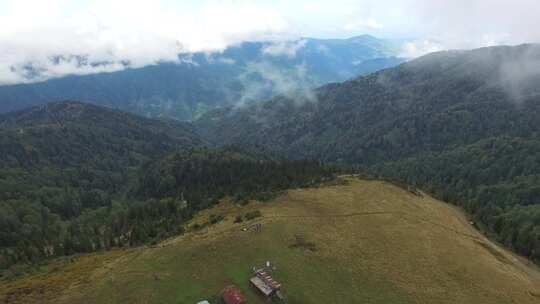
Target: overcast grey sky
145 31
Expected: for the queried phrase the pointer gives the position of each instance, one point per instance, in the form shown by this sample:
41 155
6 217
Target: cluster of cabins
262 281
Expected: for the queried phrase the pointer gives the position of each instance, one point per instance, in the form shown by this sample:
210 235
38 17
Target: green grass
193 272
373 243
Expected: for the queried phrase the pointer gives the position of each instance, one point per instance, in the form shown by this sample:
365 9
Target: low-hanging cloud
263 79
284 48
113 35
520 76
467 24
419 47
109 34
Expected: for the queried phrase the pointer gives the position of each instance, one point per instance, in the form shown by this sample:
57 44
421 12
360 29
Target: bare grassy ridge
367 242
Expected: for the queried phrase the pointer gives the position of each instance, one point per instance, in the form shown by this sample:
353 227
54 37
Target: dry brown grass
62 276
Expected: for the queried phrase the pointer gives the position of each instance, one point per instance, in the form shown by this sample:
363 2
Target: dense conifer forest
461 124
79 178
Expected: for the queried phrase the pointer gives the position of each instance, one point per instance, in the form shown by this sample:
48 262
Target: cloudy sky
145 31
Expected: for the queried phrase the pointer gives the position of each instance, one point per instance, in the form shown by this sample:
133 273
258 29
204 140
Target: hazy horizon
144 32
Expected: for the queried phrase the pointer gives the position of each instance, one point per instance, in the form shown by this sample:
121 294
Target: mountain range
196 82
437 101
461 125
77 177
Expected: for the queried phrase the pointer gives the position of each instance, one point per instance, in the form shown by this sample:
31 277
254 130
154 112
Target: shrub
238 219
252 215
214 219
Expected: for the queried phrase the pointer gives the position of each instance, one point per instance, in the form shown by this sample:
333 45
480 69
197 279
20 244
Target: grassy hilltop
352 242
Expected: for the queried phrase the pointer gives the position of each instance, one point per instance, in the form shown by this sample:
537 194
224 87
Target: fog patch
188 58
284 48
323 49
520 78
418 48
262 80
226 60
56 67
515 75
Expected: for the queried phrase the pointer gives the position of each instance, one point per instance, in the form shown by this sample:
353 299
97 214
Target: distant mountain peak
244 73
364 37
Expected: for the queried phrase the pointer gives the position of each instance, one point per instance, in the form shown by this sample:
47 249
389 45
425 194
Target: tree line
157 201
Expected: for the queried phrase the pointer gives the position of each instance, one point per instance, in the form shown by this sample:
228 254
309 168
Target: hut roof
261 286
233 295
267 278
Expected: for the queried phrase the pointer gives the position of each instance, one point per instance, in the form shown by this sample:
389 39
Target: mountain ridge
374 242
387 93
446 108
242 73
79 178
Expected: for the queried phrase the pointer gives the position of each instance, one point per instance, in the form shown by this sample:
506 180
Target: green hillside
355 241
64 166
461 124
196 82
81 178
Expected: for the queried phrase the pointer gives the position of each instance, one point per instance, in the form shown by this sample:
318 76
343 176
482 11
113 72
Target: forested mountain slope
462 123
353 240
78 178
80 144
441 100
60 162
183 90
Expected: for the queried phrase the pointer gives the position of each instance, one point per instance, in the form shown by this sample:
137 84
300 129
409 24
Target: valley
313 170
189 85
448 122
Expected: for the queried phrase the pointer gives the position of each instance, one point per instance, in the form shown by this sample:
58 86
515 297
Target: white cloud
143 32
135 31
462 24
294 81
417 48
227 61
287 48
